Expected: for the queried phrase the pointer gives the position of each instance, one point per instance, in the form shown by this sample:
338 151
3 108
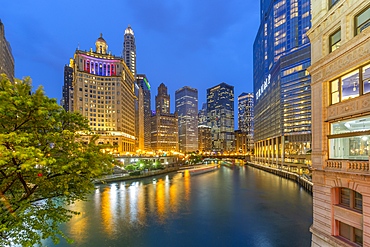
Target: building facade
242 142
129 50
6 56
220 116
143 82
186 103
282 104
246 118
67 100
204 138
202 115
139 117
164 125
103 92
340 38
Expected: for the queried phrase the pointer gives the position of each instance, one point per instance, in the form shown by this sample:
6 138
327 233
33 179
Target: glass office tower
282 111
220 116
187 109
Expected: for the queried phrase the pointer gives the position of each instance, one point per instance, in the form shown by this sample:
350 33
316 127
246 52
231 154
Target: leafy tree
129 168
158 165
44 164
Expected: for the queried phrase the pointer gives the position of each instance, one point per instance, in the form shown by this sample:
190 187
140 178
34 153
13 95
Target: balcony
357 166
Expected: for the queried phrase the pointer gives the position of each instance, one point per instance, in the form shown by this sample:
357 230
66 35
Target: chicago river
240 206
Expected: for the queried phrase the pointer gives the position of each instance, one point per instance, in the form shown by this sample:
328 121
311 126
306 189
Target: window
362 21
350 233
334 91
366 79
334 41
351 85
350 139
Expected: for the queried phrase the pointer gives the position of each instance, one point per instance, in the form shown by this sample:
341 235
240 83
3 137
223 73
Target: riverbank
289 175
124 177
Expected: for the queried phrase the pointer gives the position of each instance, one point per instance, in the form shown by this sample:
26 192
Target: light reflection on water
239 206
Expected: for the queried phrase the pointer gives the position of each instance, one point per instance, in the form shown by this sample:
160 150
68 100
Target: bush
135 173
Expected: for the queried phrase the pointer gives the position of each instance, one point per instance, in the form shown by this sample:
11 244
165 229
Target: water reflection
227 207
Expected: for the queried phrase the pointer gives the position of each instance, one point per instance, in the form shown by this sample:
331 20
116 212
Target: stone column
282 150
277 151
272 150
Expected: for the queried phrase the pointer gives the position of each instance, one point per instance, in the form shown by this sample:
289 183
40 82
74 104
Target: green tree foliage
158 165
194 159
129 168
43 164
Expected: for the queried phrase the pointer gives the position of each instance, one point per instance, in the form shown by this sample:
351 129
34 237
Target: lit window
334 41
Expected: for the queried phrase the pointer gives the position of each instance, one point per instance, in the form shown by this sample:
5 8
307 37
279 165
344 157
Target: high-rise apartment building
129 50
6 56
202 115
204 138
340 70
139 118
164 125
220 116
282 109
246 118
67 101
143 82
103 92
186 103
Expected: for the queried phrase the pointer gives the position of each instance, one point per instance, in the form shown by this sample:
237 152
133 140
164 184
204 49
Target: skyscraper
282 109
143 82
340 38
186 102
164 125
68 87
6 56
129 50
139 118
220 116
103 92
246 118
202 115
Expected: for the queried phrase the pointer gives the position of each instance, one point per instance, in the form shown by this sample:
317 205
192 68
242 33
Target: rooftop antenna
78 46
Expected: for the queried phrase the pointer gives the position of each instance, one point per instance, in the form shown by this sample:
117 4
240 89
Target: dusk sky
180 43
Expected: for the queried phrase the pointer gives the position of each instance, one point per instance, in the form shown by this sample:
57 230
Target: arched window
96 68
92 67
100 69
84 64
101 49
88 65
105 69
113 70
108 70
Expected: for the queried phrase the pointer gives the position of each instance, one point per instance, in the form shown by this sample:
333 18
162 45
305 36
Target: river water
242 206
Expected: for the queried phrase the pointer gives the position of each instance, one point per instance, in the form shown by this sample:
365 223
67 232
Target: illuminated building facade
340 38
242 142
6 56
202 115
139 117
129 50
68 87
164 125
204 138
220 116
282 104
246 118
103 92
143 82
186 103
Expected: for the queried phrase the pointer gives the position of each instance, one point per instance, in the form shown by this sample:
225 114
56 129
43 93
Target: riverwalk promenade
302 180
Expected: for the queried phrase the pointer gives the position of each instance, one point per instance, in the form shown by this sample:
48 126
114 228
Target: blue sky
178 42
